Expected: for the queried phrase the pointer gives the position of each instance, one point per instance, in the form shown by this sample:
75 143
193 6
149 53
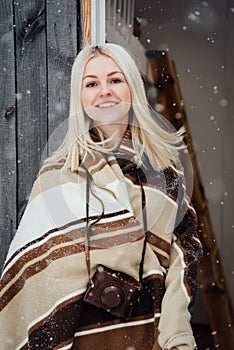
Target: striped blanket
45 273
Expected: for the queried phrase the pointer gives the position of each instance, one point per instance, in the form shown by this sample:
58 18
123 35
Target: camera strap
143 209
88 228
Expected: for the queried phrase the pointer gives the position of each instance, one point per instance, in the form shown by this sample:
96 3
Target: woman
111 198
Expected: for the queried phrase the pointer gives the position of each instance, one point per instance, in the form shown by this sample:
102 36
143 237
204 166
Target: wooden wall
39 40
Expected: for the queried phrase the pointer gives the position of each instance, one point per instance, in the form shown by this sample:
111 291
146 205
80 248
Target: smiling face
105 94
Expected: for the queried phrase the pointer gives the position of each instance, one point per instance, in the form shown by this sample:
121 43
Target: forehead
100 64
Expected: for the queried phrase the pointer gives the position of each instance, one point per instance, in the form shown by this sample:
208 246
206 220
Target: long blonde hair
148 137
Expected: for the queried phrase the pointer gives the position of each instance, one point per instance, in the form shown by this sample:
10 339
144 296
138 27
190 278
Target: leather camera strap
88 228
145 226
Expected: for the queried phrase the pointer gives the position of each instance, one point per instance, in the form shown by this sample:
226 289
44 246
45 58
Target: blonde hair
148 137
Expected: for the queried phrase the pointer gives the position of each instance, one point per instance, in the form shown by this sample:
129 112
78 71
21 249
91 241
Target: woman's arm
181 280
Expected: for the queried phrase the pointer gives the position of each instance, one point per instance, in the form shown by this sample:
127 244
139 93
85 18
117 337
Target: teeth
105 105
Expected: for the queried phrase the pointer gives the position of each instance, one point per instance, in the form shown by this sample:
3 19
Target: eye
91 84
116 80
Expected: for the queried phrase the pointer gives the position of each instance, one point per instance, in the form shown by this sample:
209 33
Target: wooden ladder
214 289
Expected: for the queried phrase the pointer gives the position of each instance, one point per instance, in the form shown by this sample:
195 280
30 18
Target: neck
114 129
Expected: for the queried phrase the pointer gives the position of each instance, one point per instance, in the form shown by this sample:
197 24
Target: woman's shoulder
54 175
51 166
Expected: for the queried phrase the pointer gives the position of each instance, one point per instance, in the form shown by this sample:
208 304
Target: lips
106 104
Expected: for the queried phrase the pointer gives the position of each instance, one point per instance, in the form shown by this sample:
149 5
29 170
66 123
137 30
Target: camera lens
111 297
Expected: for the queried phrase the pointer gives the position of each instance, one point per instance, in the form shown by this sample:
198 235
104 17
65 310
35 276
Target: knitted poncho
45 274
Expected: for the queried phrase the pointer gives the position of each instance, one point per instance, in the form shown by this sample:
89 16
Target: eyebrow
94 76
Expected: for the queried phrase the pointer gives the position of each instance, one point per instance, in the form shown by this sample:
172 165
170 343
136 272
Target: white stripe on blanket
115 326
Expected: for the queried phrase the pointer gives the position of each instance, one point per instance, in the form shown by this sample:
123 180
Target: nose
105 90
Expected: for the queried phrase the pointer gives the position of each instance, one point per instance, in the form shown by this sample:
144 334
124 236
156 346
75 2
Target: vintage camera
113 291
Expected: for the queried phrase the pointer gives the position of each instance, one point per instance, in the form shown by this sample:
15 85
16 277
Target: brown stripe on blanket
73 248
137 337
112 161
118 233
57 330
72 223
116 240
41 238
98 167
34 269
94 162
56 166
50 166
162 259
80 316
69 309
37 252
88 315
72 236
102 319
158 242
110 226
40 264
166 180
151 185
53 177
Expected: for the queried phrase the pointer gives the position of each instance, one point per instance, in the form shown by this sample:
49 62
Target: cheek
130 97
86 98
127 95
86 102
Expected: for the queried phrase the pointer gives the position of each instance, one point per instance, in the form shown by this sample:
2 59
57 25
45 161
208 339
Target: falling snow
223 102
19 96
203 19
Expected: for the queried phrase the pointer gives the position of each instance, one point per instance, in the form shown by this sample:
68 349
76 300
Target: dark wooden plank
32 92
7 129
62 45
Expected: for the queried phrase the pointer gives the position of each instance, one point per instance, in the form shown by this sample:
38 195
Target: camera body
113 291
